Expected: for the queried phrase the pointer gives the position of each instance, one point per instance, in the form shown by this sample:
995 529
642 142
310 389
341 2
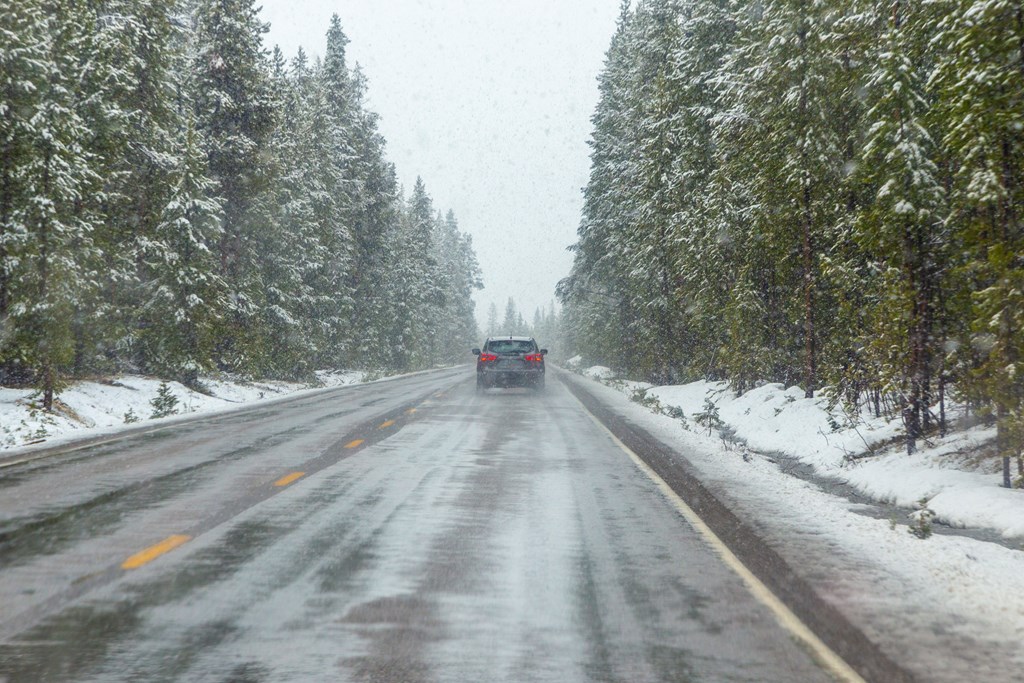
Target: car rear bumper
495 377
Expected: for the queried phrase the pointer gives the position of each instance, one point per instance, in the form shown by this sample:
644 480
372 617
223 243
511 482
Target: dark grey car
510 362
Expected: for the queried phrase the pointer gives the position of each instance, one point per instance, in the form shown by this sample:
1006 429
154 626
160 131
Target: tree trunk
808 258
44 341
49 386
917 333
6 209
79 331
942 324
942 404
1003 445
807 225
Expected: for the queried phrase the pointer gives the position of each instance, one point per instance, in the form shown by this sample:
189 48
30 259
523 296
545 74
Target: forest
176 199
819 193
545 327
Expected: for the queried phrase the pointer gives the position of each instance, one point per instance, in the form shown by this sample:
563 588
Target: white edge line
187 418
71 449
832 662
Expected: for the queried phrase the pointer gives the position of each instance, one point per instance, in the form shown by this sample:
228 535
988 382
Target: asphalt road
410 530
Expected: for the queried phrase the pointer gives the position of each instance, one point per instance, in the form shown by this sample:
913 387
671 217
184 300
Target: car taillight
535 357
485 357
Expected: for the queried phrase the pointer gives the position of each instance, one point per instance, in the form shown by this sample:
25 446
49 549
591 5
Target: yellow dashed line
387 424
354 444
155 551
410 411
287 479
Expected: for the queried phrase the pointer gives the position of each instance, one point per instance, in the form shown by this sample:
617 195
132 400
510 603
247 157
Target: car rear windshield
510 346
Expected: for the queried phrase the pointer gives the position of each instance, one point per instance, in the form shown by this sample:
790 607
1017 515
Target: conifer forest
177 199
812 192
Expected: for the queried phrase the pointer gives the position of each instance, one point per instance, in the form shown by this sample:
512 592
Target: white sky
490 102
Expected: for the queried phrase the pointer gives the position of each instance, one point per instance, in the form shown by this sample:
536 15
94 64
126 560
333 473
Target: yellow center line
155 551
354 444
387 424
410 411
287 479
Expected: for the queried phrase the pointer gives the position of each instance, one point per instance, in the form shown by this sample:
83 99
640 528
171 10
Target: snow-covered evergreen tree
978 83
596 290
25 62
235 114
901 230
456 327
172 200
58 211
183 294
784 109
510 323
374 220
492 320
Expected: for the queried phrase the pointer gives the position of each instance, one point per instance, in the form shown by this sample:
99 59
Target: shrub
164 403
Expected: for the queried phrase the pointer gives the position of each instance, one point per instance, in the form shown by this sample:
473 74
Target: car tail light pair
487 357
535 357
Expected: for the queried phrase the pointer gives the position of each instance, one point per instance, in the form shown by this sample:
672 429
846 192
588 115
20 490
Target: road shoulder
868 591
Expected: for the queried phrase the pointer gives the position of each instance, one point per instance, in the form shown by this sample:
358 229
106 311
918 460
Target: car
510 362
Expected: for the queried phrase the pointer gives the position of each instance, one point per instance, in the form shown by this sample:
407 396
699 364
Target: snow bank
599 372
97 407
774 419
944 476
948 608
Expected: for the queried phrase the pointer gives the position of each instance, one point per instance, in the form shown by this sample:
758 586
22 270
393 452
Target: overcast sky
490 102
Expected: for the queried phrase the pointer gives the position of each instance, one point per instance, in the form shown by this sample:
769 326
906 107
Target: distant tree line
175 199
812 192
544 328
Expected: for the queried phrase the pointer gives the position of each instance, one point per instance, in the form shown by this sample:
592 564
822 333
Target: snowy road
410 530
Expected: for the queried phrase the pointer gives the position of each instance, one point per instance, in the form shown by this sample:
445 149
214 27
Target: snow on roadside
950 608
92 408
944 476
598 372
774 419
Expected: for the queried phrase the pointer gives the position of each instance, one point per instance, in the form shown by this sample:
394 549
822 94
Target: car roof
512 337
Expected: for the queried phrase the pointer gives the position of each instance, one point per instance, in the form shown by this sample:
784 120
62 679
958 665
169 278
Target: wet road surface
411 530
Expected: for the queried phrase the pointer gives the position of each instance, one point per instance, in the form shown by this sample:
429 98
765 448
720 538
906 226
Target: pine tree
783 111
374 221
339 191
979 84
235 118
58 212
24 70
492 320
414 290
711 206
510 323
146 89
460 276
183 293
596 290
901 229
652 235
